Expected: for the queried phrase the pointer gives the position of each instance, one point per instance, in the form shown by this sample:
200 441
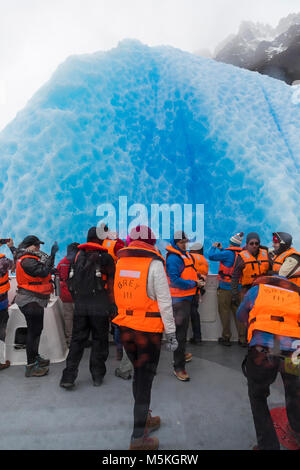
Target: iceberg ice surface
157 125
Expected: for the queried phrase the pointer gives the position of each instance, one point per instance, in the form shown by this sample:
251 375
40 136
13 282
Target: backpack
85 277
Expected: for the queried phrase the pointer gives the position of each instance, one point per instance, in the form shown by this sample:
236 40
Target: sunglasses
254 243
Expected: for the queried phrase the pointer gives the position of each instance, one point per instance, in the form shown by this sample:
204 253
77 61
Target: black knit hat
95 233
252 236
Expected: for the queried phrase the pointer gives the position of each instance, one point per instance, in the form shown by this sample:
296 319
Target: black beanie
251 236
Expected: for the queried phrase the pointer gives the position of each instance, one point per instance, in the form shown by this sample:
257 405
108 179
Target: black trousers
195 318
34 315
143 350
181 312
262 370
88 318
3 323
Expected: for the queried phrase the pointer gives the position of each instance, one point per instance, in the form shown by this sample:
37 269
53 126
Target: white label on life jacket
135 274
107 244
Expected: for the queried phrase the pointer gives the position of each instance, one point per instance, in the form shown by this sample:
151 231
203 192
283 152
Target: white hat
196 247
237 239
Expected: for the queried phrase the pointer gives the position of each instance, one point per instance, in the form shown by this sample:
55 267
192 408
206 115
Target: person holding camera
33 272
201 265
6 265
183 282
227 258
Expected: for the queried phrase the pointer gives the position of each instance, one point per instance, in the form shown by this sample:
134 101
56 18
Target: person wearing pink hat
144 311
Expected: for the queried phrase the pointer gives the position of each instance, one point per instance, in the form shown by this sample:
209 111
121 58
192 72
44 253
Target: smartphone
4 240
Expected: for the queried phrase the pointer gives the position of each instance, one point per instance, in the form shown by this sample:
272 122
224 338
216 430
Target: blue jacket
261 338
227 257
174 268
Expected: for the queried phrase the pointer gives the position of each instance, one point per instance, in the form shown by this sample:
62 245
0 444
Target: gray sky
37 35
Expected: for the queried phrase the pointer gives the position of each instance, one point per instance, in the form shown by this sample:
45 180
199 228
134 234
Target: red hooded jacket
63 268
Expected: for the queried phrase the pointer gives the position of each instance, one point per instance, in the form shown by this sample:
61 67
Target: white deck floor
211 411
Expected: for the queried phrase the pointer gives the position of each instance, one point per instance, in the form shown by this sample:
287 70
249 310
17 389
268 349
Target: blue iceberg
157 125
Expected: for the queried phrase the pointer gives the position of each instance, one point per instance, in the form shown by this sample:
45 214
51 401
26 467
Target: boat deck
212 411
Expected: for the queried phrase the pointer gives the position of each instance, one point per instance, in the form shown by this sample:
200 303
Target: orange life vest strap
259 266
225 272
277 311
44 285
135 309
189 273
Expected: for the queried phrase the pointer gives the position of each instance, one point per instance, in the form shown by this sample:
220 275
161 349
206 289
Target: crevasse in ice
157 125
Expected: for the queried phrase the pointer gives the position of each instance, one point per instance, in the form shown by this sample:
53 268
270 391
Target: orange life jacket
279 260
189 273
4 281
225 273
200 263
110 246
135 309
38 285
276 311
254 267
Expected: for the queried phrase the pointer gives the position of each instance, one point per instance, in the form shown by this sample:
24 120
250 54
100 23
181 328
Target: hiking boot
224 341
144 443
20 346
42 362
188 357
98 381
122 375
35 370
197 342
67 384
152 423
4 366
182 375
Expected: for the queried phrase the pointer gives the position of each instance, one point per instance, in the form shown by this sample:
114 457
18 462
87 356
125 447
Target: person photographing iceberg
33 273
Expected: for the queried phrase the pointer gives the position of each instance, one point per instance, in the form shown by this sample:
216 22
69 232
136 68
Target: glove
172 343
54 249
113 311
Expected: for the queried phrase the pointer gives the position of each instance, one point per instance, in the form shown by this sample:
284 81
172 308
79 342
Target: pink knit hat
142 233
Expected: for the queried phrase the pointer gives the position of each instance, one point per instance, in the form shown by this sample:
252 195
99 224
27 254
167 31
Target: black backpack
85 276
